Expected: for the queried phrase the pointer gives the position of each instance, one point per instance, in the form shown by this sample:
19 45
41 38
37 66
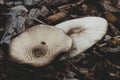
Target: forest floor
100 62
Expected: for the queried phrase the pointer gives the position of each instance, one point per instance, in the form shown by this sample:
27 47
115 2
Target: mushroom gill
39 45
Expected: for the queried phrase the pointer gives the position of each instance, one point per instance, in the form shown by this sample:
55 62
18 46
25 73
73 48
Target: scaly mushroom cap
39 45
85 32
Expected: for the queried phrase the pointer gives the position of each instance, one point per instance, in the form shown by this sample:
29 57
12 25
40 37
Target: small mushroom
85 32
39 45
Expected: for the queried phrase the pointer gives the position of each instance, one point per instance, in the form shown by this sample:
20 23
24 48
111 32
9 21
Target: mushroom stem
85 32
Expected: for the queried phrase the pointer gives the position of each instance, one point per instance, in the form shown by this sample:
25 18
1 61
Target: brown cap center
40 51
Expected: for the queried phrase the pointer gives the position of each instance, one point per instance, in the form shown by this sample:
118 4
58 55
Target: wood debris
101 62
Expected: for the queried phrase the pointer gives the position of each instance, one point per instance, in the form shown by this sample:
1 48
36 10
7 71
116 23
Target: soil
100 62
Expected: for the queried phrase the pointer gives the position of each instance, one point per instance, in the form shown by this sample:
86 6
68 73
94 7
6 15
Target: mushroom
39 45
85 32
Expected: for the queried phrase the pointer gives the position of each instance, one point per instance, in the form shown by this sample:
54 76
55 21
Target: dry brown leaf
110 17
1 1
56 17
109 6
118 3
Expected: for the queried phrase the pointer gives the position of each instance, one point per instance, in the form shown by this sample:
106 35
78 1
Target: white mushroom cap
39 45
85 32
